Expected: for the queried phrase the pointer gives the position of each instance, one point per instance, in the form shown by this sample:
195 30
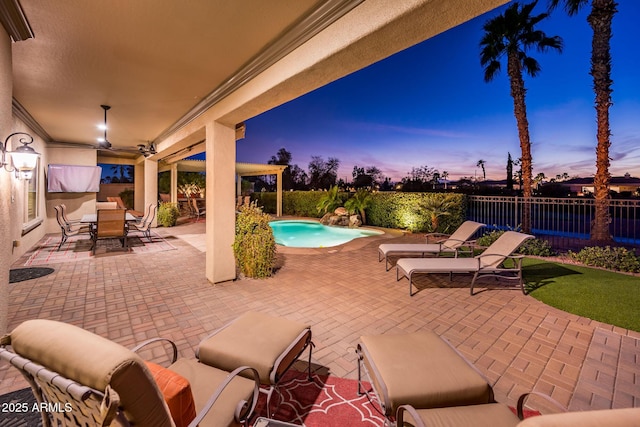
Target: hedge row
388 209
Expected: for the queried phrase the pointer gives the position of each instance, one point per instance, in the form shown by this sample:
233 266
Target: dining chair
68 229
110 224
144 225
197 211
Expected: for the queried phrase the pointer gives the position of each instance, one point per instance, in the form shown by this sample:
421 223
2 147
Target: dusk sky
429 105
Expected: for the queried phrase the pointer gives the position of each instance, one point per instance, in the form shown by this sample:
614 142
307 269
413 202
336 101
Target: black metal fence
564 222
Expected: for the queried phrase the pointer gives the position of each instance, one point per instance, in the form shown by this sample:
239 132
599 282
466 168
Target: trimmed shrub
168 214
127 197
402 210
387 209
616 258
254 247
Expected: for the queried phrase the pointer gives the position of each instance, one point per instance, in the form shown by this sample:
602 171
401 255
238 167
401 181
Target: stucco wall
37 228
6 89
77 204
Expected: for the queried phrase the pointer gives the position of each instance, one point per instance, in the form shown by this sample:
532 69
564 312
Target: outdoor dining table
93 218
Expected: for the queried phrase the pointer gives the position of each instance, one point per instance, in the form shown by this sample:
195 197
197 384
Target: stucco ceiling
150 60
159 63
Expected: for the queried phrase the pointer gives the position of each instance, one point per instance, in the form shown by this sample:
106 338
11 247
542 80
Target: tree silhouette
511 35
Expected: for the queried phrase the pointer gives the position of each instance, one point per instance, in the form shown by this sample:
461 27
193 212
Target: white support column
139 201
174 182
279 194
151 184
220 202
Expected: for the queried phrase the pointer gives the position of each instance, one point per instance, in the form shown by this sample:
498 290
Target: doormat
12 413
21 274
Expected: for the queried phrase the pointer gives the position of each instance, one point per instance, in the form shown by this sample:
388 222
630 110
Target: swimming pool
312 234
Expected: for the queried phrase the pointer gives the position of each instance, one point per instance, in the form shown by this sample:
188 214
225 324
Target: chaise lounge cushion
204 380
422 370
628 417
486 415
96 362
256 340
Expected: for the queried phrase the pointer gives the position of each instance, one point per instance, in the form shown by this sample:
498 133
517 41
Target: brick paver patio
519 343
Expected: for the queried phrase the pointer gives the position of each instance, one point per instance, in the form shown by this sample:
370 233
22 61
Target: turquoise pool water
312 234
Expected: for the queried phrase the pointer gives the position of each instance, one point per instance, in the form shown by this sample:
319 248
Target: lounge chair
85 379
68 229
500 415
447 244
268 344
490 262
121 205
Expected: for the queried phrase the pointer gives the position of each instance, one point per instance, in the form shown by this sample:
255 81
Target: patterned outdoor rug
327 401
78 248
324 402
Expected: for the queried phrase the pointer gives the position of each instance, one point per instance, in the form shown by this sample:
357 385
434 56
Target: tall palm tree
511 35
600 19
481 164
445 176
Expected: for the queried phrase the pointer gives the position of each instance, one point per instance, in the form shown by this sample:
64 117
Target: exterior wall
27 234
77 204
6 89
112 190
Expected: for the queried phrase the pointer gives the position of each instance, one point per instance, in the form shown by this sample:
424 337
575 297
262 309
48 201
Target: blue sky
429 105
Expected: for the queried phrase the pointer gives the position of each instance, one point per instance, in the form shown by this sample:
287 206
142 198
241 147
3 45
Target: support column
174 182
151 185
220 202
279 194
139 202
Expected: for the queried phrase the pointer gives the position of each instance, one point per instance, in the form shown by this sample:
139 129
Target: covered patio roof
242 169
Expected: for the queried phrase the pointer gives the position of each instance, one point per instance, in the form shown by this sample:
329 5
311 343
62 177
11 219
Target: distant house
618 184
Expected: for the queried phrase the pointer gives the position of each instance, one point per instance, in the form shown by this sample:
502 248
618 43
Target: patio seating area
343 293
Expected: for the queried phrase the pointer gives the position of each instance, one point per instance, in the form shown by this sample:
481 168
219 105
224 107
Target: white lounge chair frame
489 263
453 243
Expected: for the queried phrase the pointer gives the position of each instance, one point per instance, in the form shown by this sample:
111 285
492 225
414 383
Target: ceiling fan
104 142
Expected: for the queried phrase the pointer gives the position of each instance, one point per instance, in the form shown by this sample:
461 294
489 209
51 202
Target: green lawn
601 295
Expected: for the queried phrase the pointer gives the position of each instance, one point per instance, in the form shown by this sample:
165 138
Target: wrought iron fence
564 222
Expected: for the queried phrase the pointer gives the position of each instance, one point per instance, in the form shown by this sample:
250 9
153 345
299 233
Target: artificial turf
601 295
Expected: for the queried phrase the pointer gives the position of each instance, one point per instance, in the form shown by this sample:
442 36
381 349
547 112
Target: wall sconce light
24 157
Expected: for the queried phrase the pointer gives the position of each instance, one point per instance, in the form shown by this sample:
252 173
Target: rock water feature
341 217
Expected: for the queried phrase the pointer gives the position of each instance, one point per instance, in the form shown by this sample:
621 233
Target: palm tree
600 19
511 35
539 179
481 164
329 200
360 201
435 207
